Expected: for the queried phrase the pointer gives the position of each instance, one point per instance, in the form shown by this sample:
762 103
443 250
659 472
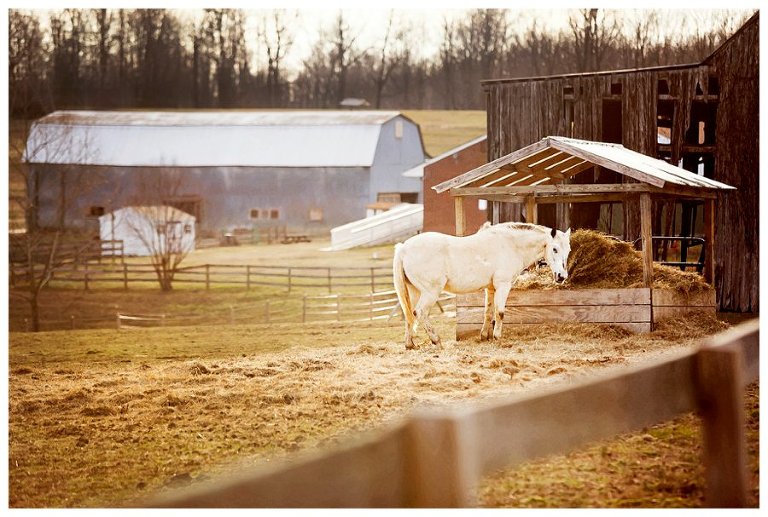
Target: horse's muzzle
560 278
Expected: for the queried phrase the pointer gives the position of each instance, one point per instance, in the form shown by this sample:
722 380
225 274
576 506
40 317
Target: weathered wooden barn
439 210
710 110
307 170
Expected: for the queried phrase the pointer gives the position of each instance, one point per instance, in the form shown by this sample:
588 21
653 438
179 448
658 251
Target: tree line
159 58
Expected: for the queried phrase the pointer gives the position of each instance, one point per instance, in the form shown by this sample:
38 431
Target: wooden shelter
543 173
704 114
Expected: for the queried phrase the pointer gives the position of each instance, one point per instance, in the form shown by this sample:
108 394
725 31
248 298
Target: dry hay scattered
598 261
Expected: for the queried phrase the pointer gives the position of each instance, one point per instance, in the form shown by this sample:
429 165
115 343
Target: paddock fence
291 279
435 458
381 306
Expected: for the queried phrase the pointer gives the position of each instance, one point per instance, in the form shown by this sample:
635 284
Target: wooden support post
289 280
440 471
85 274
709 241
531 212
647 241
721 390
117 319
461 222
125 276
373 280
495 210
329 281
72 322
247 278
207 277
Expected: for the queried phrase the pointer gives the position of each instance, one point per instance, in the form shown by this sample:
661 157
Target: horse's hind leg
423 306
500 300
410 321
487 330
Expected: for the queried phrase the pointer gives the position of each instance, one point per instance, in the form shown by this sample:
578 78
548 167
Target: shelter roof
544 165
208 138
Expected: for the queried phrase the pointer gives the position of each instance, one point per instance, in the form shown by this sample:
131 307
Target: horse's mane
520 226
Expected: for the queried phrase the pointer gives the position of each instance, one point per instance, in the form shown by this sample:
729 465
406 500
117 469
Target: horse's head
556 254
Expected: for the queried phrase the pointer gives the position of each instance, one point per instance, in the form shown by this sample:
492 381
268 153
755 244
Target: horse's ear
554 232
568 233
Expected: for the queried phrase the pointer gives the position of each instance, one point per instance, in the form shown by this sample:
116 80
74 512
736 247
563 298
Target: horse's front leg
487 330
500 300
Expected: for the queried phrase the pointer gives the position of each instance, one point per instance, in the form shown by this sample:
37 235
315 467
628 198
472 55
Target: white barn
301 169
149 230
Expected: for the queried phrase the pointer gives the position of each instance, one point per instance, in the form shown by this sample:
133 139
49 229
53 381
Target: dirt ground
93 431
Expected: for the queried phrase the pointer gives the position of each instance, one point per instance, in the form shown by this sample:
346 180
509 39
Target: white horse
492 259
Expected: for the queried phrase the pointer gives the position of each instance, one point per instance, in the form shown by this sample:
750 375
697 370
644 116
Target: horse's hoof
411 346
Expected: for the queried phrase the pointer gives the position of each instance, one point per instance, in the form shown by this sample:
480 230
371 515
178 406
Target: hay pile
598 261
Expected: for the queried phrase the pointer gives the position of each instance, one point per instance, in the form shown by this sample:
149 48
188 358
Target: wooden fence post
441 471
125 276
289 280
338 307
207 277
72 322
329 281
373 280
162 320
248 278
117 318
721 391
370 306
85 274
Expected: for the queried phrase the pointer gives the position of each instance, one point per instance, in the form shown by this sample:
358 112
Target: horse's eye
554 251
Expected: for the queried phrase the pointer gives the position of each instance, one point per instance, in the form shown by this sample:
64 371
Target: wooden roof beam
478 172
598 188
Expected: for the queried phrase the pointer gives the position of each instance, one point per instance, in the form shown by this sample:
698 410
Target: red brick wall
438 208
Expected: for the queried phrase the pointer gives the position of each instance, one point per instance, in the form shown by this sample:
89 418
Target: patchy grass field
107 418
442 130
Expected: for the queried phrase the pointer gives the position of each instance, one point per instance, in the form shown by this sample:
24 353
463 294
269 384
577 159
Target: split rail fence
436 458
378 306
290 278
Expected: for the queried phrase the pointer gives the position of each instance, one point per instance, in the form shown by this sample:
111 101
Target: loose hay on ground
150 423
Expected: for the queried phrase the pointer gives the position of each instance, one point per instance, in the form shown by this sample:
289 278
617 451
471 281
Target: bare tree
594 34
276 40
344 54
161 228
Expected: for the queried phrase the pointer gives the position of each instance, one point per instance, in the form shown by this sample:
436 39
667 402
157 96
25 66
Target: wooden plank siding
523 111
636 309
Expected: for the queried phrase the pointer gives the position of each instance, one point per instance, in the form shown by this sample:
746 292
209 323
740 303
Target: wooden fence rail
291 278
435 458
382 305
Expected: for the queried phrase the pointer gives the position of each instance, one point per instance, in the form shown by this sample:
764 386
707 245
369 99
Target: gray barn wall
227 193
395 156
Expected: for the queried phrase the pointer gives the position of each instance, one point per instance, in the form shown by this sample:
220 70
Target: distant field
443 129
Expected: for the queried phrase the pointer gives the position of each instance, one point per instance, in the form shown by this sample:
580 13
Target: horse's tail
401 287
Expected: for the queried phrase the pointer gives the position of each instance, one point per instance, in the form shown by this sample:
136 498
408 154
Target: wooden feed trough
540 173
